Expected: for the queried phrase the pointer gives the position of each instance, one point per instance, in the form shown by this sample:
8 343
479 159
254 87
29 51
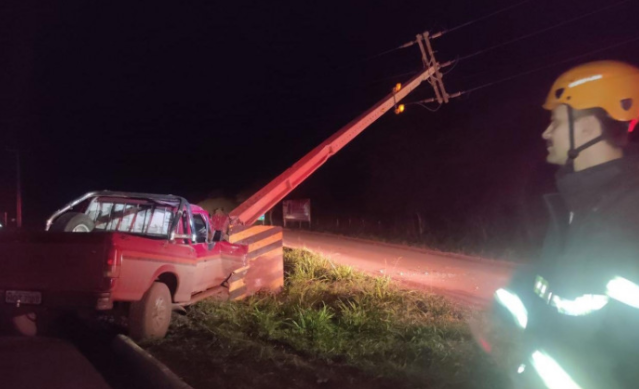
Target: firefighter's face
557 135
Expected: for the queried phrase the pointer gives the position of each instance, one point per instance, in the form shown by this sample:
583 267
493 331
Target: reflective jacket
581 296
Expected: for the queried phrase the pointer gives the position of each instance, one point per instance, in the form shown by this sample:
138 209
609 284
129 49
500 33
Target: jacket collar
582 190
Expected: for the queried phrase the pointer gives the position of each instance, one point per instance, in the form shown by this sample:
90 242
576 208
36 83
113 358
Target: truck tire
150 317
73 222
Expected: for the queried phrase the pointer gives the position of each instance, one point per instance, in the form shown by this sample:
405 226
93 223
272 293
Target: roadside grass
332 315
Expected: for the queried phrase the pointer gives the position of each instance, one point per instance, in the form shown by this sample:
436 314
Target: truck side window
160 221
200 228
146 219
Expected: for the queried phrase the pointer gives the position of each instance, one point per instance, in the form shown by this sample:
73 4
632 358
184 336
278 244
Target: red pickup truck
142 255
137 255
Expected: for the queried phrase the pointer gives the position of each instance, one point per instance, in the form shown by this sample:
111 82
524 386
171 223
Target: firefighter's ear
588 127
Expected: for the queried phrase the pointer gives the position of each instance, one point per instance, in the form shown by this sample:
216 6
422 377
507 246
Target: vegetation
335 322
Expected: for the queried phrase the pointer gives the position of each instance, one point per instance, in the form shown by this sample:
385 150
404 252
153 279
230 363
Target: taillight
114 260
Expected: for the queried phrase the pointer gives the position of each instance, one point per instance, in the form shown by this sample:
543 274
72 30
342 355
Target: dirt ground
279 368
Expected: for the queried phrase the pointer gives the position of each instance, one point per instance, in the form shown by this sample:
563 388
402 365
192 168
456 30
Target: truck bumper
68 301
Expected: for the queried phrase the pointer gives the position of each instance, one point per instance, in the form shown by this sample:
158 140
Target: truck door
208 264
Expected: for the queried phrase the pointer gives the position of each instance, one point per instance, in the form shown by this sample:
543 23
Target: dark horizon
195 99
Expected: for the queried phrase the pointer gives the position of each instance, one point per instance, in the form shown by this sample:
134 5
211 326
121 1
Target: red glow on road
470 281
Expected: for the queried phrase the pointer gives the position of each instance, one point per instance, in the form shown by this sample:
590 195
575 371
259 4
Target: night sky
196 97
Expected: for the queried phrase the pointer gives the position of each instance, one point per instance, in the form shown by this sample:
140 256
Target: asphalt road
467 280
33 363
78 357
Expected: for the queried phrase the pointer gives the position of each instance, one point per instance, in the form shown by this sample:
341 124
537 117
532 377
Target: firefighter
578 308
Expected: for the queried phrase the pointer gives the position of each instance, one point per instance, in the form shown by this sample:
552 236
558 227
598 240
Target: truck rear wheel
73 222
150 317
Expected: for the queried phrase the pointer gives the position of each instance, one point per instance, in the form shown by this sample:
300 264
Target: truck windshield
137 218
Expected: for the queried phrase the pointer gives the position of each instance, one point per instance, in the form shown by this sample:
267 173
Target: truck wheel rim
159 312
81 228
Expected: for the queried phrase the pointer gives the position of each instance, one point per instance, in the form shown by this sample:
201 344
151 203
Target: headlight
514 305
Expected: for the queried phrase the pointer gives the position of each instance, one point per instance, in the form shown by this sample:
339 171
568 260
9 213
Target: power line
454 63
636 38
437 35
445 31
359 62
377 81
413 42
405 45
546 57
468 23
494 47
428 108
522 74
538 32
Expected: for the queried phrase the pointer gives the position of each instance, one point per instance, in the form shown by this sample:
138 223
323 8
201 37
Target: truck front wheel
150 317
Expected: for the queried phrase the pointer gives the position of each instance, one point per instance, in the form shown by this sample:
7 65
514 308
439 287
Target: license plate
13 296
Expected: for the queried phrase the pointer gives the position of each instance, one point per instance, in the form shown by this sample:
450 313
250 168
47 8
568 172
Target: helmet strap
573 152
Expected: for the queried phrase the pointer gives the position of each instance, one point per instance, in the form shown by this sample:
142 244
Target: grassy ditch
331 326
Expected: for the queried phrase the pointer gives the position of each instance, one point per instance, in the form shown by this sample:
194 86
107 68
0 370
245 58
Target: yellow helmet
610 85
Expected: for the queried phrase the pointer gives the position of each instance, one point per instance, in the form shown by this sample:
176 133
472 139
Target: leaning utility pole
264 200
